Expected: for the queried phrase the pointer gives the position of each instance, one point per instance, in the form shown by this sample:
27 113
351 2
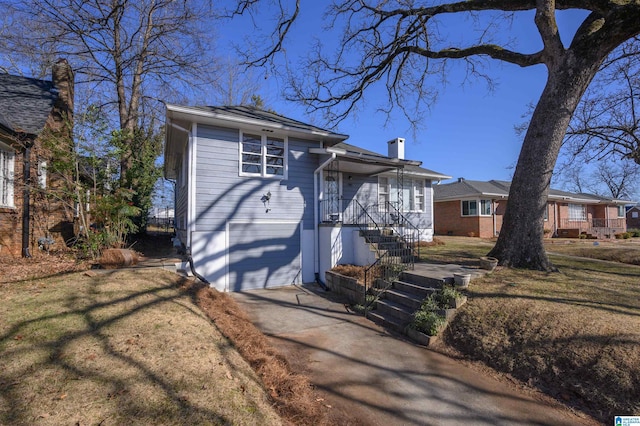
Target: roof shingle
25 103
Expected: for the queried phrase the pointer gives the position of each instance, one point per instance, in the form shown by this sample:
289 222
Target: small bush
429 304
623 235
428 322
634 232
434 242
446 298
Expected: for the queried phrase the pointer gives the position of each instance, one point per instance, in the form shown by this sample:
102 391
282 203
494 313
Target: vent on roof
460 179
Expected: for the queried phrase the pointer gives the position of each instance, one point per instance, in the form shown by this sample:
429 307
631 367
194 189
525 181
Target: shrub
428 322
446 298
634 232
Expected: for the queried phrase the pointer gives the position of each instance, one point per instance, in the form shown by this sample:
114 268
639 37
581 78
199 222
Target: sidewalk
380 378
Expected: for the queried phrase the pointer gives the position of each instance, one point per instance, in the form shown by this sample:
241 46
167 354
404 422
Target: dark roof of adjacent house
494 189
25 103
409 168
249 113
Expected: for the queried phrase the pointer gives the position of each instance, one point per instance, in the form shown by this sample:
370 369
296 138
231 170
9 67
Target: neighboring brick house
633 217
35 120
476 208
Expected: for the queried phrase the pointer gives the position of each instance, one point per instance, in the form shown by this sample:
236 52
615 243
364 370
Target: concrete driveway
382 379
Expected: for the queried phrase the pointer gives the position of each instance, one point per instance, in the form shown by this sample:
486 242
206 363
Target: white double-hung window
412 193
577 212
263 155
6 176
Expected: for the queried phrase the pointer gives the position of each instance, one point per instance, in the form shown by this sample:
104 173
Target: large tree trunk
521 240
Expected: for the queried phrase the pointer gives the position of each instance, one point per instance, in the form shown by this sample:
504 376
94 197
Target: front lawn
573 334
118 347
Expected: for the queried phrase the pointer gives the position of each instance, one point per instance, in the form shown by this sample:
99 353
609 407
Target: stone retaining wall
346 286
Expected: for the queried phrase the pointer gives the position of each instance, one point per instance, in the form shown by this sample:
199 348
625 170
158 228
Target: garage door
263 255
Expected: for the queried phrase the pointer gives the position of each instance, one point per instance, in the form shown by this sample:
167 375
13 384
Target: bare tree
608 178
399 44
124 52
607 120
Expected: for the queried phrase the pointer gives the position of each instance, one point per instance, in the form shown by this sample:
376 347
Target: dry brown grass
574 334
119 347
352 271
623 251
293 396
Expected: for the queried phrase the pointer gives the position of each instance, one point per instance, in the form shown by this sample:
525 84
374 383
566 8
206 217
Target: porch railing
592 223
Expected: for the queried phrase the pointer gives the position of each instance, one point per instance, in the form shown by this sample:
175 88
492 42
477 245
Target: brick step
387 321
402 313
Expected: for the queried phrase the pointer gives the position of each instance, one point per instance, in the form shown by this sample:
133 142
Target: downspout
316 239
555 218
26 200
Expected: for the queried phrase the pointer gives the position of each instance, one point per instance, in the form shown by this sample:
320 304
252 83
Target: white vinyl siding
577 212
263 155
476 207
6 177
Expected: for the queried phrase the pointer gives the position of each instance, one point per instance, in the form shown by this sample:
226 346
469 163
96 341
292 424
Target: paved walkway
381 379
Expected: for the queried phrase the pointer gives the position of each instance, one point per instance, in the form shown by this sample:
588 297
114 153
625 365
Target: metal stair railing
389 262
412 238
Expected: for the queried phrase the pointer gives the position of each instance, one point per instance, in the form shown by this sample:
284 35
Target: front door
332 196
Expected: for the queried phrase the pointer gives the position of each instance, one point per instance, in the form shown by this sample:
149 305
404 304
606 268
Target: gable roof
252 115
25 103
499 189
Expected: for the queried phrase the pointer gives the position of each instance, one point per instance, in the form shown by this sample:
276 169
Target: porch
597 228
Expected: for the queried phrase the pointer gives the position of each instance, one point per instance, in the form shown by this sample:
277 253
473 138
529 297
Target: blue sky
468 133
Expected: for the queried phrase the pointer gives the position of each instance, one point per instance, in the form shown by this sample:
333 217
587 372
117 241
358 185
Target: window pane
252 139
250 158
252 148
272 170
275 161
485 207
470 208
577 212
251 168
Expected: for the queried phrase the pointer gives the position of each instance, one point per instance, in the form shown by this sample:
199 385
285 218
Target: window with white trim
383 190
577 212
634 215
42 174
6 177
263 155
622 212
476 207
412 193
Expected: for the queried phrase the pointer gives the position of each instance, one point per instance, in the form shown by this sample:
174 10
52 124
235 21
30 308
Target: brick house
35 124
476 208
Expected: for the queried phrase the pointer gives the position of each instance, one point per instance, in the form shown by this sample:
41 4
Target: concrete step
401 313
419 291
421 280
386 321
411 301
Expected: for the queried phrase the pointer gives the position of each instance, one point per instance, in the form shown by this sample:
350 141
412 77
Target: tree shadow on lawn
70 355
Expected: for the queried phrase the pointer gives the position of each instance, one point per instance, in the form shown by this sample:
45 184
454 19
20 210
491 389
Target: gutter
316 239
26 200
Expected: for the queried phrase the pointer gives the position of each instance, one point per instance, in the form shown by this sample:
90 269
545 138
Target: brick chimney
62 77
396 148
